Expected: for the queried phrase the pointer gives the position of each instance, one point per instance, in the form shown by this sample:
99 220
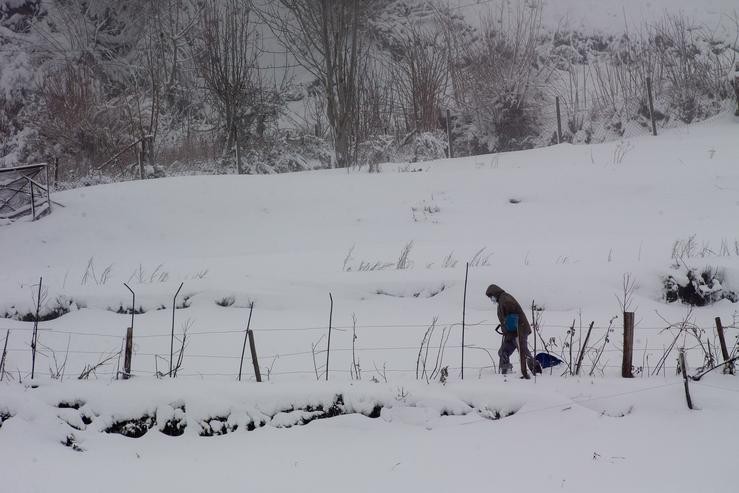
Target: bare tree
414 41
227 55
328 39
503 78
419 68
156 77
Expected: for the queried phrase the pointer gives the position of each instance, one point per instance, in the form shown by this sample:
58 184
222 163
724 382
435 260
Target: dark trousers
508 345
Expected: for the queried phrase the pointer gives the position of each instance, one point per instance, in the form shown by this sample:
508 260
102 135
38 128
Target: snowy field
559 226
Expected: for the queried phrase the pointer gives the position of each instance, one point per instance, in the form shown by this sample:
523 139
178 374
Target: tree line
257 86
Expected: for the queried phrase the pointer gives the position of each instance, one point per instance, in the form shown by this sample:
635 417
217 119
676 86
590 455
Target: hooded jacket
507 305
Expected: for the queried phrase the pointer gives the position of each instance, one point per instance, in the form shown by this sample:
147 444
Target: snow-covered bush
694 66
503 67
698 288
376 150
425 146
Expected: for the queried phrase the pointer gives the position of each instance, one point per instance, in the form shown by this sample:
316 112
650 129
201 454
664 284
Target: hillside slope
583 217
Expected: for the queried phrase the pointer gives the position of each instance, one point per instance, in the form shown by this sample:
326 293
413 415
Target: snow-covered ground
559 226
568 435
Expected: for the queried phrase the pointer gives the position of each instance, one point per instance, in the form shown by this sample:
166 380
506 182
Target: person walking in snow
734 80
515 329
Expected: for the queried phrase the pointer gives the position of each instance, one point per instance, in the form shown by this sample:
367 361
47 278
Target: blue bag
511 323
547 360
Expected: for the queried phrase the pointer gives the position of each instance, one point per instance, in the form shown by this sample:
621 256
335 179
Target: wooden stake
464 304
140 158
33 200
651 106
254 359
583 348
328 345
559 121
449 133
729 367
626 366
246 335
5 353
684 370
48 189
129 353
239 169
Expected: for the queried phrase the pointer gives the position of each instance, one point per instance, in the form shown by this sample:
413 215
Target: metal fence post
330 320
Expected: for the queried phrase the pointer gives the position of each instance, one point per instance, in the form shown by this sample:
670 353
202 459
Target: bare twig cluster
424 370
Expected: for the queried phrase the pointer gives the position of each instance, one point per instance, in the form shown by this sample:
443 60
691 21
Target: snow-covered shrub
503 67
428 146
376 150
698 288
154 171
285 152
48 311
226 301
4 416
695 67
132 428
171 419
217 425
415 147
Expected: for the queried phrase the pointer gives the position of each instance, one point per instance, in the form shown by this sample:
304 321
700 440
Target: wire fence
203 352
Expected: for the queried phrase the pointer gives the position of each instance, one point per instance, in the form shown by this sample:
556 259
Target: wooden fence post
728 367
33 201
626 367
140 159
5 353
129 353
464 309
239 169
582 349
254 360
48 189
651 106
328 345
684 370
449 133
559 121
246 335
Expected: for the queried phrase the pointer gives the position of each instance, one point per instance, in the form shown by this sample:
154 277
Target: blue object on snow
511 322
547 360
